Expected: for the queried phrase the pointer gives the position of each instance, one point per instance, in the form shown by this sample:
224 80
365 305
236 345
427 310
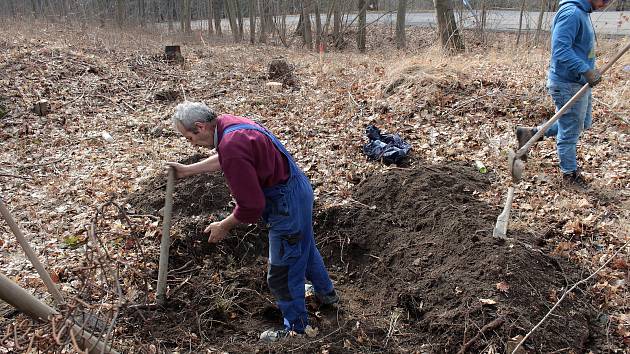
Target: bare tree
361 32
210 15
230 9
318 26
141 12
520 22
120 11
239 18
266 19
541 15
185 16
306 24
447 27
218 9
337 35
400 24
252 21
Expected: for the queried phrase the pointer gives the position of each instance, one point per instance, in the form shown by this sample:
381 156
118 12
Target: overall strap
275 140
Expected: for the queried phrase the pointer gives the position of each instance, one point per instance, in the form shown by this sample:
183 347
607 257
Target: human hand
181 170
217 232
593 77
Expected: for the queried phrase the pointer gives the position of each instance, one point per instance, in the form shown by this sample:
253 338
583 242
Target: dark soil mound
417 257
412 256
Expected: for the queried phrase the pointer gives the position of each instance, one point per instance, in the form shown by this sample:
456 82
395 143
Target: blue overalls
293 254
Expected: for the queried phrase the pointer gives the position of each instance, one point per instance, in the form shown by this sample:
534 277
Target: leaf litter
409 248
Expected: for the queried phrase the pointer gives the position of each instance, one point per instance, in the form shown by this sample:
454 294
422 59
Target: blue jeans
568 128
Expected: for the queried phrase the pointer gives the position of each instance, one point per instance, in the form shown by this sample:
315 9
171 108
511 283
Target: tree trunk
337 35
218 9
185 16
120 11
318 26
362 24
35 10
520 23
306 24
210 15
447 27
239 18
170 14
401 41
541 16
252 21
141 12
230 10
483 21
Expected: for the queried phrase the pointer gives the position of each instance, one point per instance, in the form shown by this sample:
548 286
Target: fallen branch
14 176
565 294
488 327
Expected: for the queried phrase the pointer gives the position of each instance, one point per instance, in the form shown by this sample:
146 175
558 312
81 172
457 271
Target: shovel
515 163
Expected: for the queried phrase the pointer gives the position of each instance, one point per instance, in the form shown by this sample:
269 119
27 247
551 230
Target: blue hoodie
572 42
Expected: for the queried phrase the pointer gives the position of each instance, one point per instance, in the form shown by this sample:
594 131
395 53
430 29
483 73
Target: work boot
574 179
274 335
523 134
329 299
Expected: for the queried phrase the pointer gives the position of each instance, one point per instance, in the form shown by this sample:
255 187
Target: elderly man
572 65
265 181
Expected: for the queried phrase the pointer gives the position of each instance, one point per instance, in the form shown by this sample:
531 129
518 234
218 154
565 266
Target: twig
490 326
565 294
35 164
14 176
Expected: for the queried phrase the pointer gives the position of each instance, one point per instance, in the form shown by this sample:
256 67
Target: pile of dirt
421 268
412 256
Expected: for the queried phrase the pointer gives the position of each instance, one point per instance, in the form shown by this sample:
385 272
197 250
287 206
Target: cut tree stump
41 107
281 71
173 54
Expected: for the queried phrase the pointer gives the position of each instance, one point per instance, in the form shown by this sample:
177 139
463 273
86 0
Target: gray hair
188 113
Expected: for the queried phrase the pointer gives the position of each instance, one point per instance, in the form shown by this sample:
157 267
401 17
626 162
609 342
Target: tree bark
447 27
120 5
239 18
141 12
337 35
210 15
218 8
401 41
230 10
185 16
520 22
252 21
361 32
318 26
263 24
540 20
306 24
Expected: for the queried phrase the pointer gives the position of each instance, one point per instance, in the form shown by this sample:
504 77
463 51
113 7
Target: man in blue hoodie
571 66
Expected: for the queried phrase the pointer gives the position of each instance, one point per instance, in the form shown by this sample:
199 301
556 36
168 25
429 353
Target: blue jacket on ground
572 42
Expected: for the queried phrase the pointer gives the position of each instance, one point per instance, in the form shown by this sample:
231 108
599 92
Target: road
612 23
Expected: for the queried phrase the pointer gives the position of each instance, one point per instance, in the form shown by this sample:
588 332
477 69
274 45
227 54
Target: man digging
265 182
571 66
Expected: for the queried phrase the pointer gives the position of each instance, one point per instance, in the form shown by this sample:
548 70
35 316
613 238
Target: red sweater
250 162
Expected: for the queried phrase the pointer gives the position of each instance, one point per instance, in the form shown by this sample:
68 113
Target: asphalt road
613 23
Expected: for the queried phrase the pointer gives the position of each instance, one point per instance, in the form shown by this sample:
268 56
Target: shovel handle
30 254
166 238
523 150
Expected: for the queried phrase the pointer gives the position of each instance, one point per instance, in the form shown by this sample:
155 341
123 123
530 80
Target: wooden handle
523 150
30 254
166 238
